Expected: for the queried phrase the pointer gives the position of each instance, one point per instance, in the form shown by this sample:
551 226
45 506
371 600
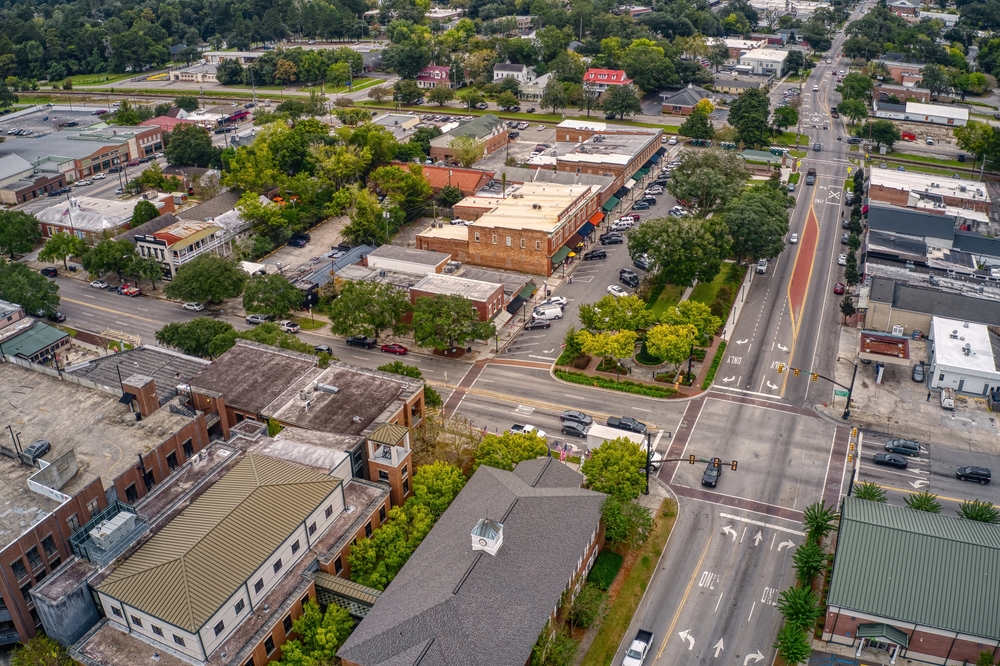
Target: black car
627 423
535 324
629 280
595 254
711 475
361 341
48 271
323 349
890 459
574 429
612 239
56 317
530 109
297 242
641 263
906 447
576 416
37 449
981 475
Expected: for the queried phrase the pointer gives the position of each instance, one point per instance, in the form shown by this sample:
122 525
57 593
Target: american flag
66 212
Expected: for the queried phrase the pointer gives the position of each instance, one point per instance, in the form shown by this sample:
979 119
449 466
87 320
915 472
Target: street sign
840 393
867 156
848 169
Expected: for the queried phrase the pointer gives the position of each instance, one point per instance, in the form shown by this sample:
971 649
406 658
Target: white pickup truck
519 428
637 651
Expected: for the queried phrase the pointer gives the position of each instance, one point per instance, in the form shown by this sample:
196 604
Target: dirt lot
290 260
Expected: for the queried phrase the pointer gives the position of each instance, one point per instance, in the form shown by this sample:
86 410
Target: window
941 377
93 507
269 645
130 494
305 600
368 529
277 566
295 547
287 624
172 460
494 239
55 563
508 241
117 612
156 630
538 245
250 662
136 621
189 449
219 628
404 470
477 236
406 486
73 523
49 545
240 605
381 514
20 571
178 640
34 559
523 243
40 575
312 528
329 511
258 586
338 565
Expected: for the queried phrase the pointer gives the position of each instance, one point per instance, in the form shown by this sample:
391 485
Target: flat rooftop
474 290
910 181
616 149
951 351
410 254
776 55
169 369
535 206
458 232
103 433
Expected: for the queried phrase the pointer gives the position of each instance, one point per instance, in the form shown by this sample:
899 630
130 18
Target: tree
682 249
795 61
30 289
985 658
923 501
377 560
553 95
193 337
191 145
646 64
616 468
856 86
847 308
229 72
855 109
40 650
436 485
808 561
506 450
934 78
671 342
143 212
800 607
719 55
407 92
628 313
126 115
626 523
589 607
621 101
758 222
422 138
692 312
187 102
109 256
440 95
367 223
442 321
18 233
880 131
406 187
976 137
819 520
431 397
697 126
368 308
379 93
748 114
467 149
784 117
983 512
792 644
470 98
320 634
271 294
870 491
145 268
709 177
615 345
338 74
207 279
450 195
62 246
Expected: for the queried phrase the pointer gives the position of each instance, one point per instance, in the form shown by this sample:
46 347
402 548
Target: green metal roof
611 203
917 567
891 634
759 156
527 290
560 254
35 339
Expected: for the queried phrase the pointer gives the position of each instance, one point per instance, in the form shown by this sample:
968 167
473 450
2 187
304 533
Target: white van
547 313
762 266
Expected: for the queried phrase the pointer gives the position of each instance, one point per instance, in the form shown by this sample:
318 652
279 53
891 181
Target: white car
100 176
815 88
793 239
157 155
99 284
83 183
288 326
842 260
655 190
193 307
525 429
458 220
553 300
672 141
617 291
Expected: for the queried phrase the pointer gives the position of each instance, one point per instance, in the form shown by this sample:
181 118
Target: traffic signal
815 376
854 432
734 465
716 462
781 368
691 459
850 457
796 371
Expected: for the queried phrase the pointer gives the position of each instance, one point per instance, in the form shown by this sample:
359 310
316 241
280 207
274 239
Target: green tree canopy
855 109
187 102
627 313
506 450
193 337
983 512
440 95
617 468
191 145
368 308
207 279
554 95
467 149
436 485
18 233
748 114
443 321
271 294
784 117
30 289
40 650
621 101
758 222
697 126
692 312
376 561
319 635
856 86
682 249
143 212
708 179
61 246
880 131
923 501
109 256
671 342
626 522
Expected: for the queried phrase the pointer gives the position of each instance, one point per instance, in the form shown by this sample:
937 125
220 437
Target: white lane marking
758 523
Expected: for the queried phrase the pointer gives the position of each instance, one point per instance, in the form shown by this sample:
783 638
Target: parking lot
520 148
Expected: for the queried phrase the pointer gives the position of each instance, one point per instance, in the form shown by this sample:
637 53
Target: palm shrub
819 520
793 644
924 501
983 512
800 607
808 562
872 492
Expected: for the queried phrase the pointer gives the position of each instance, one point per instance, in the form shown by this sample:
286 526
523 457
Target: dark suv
37 449
595 254
629 277
712 475
906 447
361 341
980 475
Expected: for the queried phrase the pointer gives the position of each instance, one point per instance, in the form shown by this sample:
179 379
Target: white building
949 20
765 61
962 356
506 70
935 114
534 89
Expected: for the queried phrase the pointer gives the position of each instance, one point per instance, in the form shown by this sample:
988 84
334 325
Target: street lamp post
385 216
850 392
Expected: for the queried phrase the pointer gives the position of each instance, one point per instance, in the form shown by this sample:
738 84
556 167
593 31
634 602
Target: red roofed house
435 76
468 181
165 123
601 79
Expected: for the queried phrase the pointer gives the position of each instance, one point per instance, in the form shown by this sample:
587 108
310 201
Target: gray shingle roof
449 602
150 227
910 222
918 568
214 207
167 368
943 304
13 165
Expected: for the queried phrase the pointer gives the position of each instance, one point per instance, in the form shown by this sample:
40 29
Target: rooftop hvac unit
327 388
897 330
967 349
110 532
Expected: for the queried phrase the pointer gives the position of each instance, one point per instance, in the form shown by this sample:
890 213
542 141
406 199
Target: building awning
515 304
574 240
527 290
611 203
662 150
640 174
889 633
595 219
586 229
560 255
655 158
630 184
622 191
648 165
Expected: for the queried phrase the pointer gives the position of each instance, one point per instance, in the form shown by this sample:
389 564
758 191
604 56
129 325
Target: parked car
131 292
890 459
193 307
918 373
37 449
297 242
482 106
553 300
49 272
394 348
100 176
83 183
627 423
611 239
595 254
574 429
99 284
576 416
288 326
641 262
536 324
323 349
56 316
762 266
906 447
526 429
841 259
640 205
980 475
254 319
844 238
791 187
672 141
361 341
617 291
838 288
712 475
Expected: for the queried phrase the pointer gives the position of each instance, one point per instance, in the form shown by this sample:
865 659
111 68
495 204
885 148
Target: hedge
624 386
716 362
606 567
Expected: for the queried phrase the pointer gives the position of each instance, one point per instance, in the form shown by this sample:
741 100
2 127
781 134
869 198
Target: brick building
20 183
942 611
602 79
682 102
906 188
468 181
603 150
488 129
486 297
531 230
903 70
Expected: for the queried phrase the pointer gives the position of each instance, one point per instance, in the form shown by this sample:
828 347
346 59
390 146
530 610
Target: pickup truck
627 423
637 651
811 177
948 399
521 429
833 112
361 341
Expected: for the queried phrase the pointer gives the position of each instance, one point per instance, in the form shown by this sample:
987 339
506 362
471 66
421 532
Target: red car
394 349
631 216
131 291
838 288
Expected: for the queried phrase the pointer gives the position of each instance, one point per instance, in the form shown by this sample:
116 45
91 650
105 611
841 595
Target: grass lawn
704 292
788 139
359 84
619 615
798 154
670 296
97 79
849 184
927 160
308 324
794 178
918 169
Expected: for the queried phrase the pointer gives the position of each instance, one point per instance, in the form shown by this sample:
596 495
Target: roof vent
156 656
327 388
954 335
356 418
965 324
487 535
967 349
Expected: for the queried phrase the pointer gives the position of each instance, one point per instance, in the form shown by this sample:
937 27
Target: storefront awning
586 228
574 242
662 150
648 165
630 184
611 203
640 174
655 158
889 633
595 219
527 290
560 255
515 304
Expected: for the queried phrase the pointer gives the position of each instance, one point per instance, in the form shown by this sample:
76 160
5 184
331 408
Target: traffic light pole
815 375
850 392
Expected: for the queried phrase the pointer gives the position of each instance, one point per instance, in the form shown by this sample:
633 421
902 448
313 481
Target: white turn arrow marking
919 484
688 637
756 657
782 347
729 530
771 386
549 351
726 380
719 647
743 341
757 537
788 543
